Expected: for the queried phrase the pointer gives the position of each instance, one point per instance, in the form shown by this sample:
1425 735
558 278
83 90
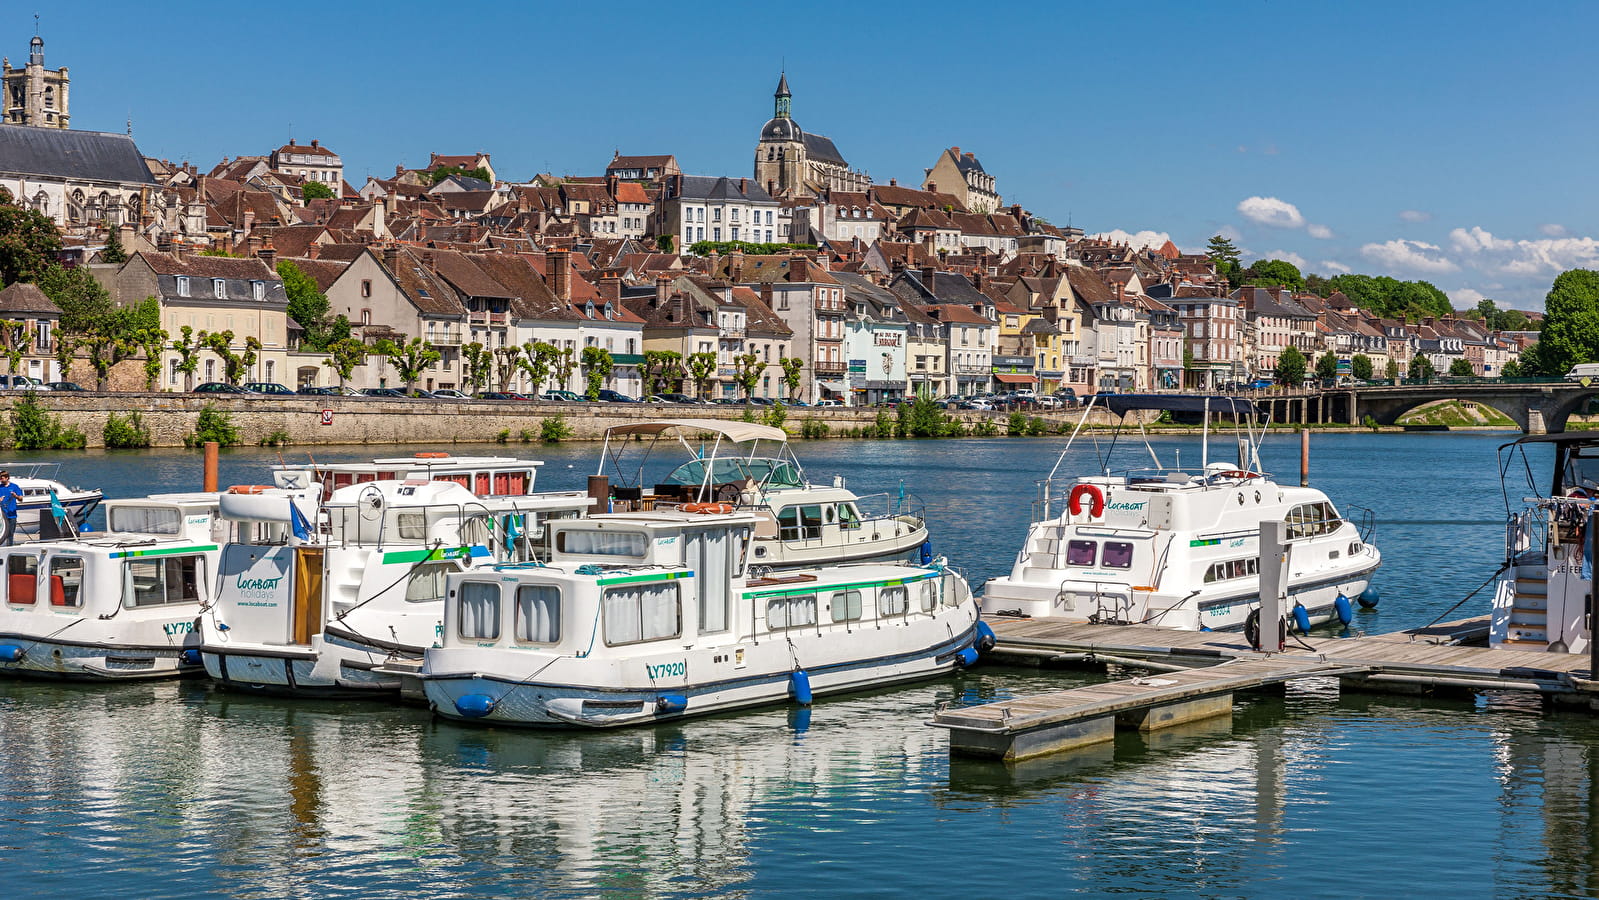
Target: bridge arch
1535 407
1388 411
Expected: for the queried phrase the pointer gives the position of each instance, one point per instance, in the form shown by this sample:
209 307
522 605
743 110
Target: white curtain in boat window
892 601
929 594
427 582
709 553
791 612
480 611
143 520
538 613
641 612
603 543
846 606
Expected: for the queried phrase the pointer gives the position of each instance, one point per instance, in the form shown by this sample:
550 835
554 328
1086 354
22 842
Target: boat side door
307 610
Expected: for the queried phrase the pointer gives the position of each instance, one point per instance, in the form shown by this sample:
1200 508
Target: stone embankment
349 420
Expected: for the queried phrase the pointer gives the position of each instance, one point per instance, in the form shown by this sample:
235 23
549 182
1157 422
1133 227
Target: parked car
387 393
268 387
830 403
63 386
561 396
1260 384
492 395
1066 396
610 396
218 387
728 401
329 391
1048 401
450 394
21 383
760 401
976 403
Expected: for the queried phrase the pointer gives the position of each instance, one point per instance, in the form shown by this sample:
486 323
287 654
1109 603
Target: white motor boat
1180 548
1541 604
38 481
646 616
752 468
118 604
316 606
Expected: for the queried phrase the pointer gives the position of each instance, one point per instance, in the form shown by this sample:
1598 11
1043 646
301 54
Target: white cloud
1288 256
1334 266
1140 240
1416 256
1320 232
1414 215
1271 211
1465 298
1553 229
1542 257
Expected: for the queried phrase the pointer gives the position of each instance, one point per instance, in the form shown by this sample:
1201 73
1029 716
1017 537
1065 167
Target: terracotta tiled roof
248 269
27 298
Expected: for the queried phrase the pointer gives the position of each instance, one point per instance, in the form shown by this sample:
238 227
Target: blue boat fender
191 657
475 706
985 637
927 552
1302 618
671 703
1346 612
1369 598
11 653
799 684
967 657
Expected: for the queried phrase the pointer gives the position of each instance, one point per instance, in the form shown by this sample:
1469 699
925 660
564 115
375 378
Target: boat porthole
56 653
1257 496
760 551
1240 499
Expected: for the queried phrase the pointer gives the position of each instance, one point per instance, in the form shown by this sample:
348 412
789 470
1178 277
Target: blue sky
1452 142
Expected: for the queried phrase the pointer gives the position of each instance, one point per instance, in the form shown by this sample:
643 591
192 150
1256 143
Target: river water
175 790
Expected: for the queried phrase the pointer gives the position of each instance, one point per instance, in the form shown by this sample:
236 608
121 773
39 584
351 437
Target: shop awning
1008 378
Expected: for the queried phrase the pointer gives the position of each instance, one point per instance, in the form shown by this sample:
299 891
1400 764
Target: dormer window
258 289
609 312
183 285
219 288
588 309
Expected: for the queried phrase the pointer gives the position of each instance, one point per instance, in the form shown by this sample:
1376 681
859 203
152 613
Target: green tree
597 365
1461 368
661 367
747 368
1291 367
85 303
792 367
1327 365
309 307
113 252
1570 331
1511 369
235 366
1392 371
476 363
1360 366
1274 272
188 347
564 365
1225 257
344 356
28 242
701 366
538 359
442 172
17 338
316 190
506 363
1421 369
664 243
410 359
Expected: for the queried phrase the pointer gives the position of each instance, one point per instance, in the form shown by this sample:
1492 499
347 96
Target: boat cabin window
411 526
426 583
1312 519
1232 568
846 606
642 612
1118 555
848 518
602 543
538 614
480 611
20 573
893 600
1081 553
144 520
800 523
153 582
929 595
1580 471
66 580
791 612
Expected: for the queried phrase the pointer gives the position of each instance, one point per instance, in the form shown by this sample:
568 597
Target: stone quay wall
170 417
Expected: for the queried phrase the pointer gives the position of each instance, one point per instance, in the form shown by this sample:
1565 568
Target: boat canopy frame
1243 412
727 434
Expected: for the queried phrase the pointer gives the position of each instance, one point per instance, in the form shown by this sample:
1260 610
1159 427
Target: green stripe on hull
640 579
164 551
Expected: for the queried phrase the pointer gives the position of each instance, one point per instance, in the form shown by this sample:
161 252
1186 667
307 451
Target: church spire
780 108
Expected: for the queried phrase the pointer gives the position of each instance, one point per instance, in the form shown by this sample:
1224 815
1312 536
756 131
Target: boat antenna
1204 438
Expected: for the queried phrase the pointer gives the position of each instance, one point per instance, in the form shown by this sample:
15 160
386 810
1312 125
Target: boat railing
40 470
1364 520
894 506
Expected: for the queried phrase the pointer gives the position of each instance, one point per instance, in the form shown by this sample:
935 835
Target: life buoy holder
708 509
249 489
1096 498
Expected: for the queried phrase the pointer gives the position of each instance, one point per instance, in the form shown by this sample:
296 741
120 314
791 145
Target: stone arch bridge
1538 408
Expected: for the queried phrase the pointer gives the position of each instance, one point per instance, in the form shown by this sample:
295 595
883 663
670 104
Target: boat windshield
770 473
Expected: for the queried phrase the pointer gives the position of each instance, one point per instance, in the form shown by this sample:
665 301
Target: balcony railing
831 367
446 338
971 369
477 317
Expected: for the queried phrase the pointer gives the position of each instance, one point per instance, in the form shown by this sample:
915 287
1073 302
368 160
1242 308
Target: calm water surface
173 790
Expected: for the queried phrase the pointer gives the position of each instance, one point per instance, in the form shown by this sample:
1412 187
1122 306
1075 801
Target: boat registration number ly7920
677 669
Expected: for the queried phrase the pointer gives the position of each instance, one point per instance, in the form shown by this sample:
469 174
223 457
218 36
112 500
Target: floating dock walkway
1198 673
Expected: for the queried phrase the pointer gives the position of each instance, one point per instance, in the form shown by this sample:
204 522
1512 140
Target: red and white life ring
1096 497
708 508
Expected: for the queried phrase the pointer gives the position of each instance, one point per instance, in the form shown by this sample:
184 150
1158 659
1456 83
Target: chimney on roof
164 243
427 258
398 171
743 185
663 289
932 187
956 152
893 182
313 142
610 288
269 255
249 221
252 244
677 185
391 258
927 278
766 294
560 266
314 251
977 277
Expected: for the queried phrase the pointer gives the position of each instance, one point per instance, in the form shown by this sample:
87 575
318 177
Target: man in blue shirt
9 495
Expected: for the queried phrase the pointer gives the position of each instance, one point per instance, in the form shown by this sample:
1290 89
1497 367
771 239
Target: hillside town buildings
869 292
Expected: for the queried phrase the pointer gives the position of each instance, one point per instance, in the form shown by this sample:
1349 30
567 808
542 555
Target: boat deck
1200 671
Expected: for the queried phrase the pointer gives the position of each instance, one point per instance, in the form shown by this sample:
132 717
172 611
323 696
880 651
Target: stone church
790 163
35 95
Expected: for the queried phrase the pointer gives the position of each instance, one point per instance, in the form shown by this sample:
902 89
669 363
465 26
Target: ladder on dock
1063 720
